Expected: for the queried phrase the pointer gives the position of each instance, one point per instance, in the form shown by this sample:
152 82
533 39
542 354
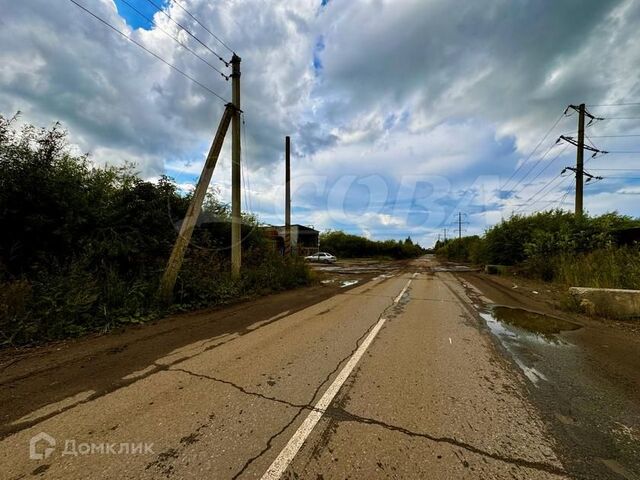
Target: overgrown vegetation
345 245
82 248
556 246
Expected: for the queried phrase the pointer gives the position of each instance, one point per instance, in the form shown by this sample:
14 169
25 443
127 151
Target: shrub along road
397 377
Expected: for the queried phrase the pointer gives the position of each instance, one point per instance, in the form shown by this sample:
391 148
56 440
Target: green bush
554 245
83 248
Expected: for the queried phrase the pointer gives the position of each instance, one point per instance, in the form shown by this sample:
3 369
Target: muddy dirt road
404 374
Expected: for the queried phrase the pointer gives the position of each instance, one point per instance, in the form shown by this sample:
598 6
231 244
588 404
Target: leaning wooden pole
170 275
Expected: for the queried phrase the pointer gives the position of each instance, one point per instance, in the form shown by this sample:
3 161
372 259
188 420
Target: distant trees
345 245
555 245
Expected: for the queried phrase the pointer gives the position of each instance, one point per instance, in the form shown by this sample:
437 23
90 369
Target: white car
322 257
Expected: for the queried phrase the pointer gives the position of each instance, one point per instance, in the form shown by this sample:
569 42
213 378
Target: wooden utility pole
287 196
580 161
236 208
170 275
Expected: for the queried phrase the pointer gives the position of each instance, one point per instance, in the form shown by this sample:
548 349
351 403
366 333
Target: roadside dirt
615 345
585 380
31 378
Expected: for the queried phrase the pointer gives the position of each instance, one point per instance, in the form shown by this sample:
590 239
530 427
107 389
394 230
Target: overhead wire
562 115
548 164
192 35
535 164
616 136
158 57
620 118
203 26
243 159
177 40
613 104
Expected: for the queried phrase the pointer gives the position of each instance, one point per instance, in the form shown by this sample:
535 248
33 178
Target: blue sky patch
135 19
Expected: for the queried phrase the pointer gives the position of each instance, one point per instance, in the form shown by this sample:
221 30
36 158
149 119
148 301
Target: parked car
322 257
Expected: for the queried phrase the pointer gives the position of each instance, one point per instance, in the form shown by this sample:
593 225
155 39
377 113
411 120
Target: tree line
557 246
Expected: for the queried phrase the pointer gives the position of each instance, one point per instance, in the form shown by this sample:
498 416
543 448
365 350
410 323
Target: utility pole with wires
236 212
581 147
460 223
231 115
580 162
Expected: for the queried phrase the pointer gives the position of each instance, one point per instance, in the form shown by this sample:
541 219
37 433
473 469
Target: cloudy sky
402 113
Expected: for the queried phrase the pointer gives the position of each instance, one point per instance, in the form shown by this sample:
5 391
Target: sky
402 113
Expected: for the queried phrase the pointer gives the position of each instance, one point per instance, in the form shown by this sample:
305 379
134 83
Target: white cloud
403 90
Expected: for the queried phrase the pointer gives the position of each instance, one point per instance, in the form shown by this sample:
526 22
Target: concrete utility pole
459 225
170 275
287 196
236 208
580 161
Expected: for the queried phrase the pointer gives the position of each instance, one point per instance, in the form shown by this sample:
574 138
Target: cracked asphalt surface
431 397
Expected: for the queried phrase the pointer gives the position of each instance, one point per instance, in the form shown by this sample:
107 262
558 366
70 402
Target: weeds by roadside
83 248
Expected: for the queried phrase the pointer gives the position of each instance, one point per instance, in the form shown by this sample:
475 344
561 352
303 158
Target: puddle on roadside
516 327
348 283
537 323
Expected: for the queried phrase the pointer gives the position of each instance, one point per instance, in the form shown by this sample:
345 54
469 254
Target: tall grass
606 268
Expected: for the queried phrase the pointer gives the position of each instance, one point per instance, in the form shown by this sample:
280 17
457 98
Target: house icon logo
47 440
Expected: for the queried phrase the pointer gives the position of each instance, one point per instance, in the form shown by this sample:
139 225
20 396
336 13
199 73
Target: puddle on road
515 328
537 323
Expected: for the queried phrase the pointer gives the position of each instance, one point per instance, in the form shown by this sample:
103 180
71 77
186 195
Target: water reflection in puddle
515 327
519 323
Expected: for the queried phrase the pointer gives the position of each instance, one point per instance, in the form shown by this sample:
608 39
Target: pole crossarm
584 172
592 118
574 142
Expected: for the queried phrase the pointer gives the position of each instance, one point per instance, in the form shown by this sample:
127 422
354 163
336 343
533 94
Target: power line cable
166 14
613 104
243 160
115 29
623 151
535 164
200 23
564 197
615 136
548 164
153 22
544 187
615 169
564 114
620 118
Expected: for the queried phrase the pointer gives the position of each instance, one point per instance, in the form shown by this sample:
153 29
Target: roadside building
304 240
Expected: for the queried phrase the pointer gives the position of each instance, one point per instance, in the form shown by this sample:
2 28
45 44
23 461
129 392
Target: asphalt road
395 378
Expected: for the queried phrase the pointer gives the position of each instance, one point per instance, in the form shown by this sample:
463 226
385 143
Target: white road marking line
450 341
288 453
403 290
291 449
